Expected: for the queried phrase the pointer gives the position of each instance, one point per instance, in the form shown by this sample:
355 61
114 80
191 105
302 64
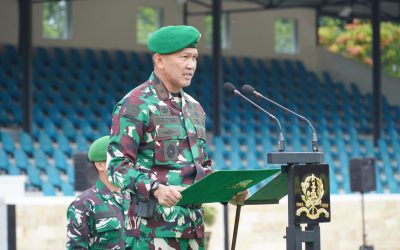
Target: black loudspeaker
85 173
362 175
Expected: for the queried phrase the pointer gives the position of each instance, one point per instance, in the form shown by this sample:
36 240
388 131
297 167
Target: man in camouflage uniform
95 219
158 147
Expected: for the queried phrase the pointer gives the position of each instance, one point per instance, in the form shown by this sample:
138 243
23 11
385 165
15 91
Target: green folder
220 186
270 193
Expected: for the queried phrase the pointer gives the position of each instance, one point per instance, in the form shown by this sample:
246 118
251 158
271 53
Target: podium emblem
312 193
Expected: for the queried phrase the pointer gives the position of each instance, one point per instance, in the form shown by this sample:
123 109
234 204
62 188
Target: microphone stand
247 89
236 226
281 148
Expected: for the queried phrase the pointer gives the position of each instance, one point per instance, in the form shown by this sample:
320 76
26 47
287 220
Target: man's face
178 68
101 166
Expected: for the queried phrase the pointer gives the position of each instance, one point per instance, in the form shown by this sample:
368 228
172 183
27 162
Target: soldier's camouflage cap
170 39
98 149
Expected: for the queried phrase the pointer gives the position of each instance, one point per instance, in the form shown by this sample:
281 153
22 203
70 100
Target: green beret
171 39
98 149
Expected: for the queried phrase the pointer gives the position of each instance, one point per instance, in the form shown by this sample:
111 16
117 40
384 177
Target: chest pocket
201 138
108 232
170 140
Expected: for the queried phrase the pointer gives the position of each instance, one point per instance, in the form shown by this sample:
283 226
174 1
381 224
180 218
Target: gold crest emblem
313 191
241 184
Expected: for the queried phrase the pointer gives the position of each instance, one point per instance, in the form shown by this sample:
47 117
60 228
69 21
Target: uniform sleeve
78 231
128 125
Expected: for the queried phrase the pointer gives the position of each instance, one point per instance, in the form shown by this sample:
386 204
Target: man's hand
168 196
239 198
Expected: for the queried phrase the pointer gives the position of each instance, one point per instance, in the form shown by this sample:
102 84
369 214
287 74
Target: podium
302 176
308 196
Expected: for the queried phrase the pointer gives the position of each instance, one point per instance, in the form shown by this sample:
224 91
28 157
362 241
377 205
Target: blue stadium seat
4 163
16 115
69 130
333 183
252 160
53 176
61 57
344 160
26 143
60 161
34 176
50 129
393 187
92 62
102 129
45 144
136 62
13 170
4 121
147 62
42 57
81 144
21 160
76 58
64 144
40 159
71 176
87 131
7 142
123 64
67 189
106 60
48 189
11 56
68 86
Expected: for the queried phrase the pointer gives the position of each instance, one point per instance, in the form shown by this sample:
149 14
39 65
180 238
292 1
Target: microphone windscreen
247 89
229 87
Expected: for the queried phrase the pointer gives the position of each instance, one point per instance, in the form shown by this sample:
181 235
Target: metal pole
25 48
217 55
185 13
236 227
226 233
376 68
363 219
11 225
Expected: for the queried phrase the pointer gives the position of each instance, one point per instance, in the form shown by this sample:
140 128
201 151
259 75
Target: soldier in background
95 218
158 147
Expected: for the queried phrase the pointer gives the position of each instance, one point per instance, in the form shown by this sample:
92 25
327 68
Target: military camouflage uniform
95 220
157 138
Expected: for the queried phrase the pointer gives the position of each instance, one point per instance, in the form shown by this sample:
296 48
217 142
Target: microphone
232 89
248 90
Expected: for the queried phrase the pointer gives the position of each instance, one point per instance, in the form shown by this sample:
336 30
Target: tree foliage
55 19
148 21
354 40
285 36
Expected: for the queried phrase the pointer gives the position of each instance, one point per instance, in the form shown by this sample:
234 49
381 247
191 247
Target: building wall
41 222
112 25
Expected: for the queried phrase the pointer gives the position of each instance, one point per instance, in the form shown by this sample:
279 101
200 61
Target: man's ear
158 61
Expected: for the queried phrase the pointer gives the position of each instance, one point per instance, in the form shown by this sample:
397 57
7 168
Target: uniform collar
103 190
162 91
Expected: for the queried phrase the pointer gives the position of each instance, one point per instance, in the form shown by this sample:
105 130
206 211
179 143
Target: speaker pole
363 219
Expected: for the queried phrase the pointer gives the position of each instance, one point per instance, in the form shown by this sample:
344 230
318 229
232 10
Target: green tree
55 19
354 40
148 21
285 36
208 34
